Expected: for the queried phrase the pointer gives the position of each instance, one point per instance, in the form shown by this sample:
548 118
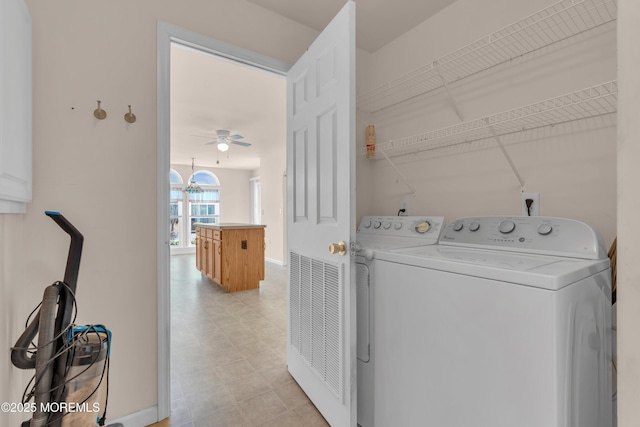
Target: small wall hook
130 117
99 113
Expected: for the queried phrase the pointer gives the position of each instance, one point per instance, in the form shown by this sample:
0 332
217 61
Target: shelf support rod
506 155
413 192
454 104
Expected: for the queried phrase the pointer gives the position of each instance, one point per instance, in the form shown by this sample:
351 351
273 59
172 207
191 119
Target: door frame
167 34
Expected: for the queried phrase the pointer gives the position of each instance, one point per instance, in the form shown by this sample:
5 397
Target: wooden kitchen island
231 255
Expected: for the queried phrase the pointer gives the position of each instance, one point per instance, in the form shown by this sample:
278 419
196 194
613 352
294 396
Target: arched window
175 177
205 178
189 208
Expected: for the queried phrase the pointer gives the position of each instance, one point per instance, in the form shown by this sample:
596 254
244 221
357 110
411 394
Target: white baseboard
138 419
274 261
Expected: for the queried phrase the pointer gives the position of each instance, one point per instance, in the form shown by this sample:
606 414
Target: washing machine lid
540 271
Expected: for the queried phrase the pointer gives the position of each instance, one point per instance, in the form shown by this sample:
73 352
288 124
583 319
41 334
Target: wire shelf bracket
586 103
560 21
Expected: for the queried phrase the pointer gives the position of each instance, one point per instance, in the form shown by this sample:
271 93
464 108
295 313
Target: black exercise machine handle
75 249
19 355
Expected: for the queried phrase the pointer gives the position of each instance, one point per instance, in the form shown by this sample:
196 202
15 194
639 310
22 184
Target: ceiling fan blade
244 144
212 142
203 136
236 136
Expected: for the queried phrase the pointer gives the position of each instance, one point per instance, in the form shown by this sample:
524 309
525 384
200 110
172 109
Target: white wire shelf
558 22
586 103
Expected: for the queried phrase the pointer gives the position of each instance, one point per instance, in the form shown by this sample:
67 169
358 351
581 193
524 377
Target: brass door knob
338 248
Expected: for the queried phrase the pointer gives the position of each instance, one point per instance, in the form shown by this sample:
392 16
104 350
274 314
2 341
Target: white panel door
321 335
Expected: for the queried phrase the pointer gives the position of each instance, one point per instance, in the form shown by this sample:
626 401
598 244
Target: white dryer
506 322
376 233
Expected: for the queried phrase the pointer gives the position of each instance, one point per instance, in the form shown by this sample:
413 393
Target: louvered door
321 344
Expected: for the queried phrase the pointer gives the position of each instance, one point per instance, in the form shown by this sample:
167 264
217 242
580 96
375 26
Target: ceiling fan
224 138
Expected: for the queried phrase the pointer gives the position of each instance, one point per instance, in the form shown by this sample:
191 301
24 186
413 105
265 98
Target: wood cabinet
231 256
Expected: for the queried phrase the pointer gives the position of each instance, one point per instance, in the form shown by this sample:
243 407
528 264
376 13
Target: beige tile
265 359
291 395
310 415
227 417
288 419
276 376
247 387
242 337
228 354
180 413
234 370
261 408
203 404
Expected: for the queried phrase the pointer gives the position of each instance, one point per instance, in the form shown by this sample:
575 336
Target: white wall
271 170
572 166
12 318
628 280
102 174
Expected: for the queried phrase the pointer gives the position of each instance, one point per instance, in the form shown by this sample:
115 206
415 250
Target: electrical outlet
404 204
534 210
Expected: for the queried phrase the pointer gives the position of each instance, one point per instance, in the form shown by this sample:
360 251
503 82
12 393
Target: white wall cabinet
15 106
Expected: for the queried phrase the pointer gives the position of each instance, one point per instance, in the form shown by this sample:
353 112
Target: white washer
506 322
376 233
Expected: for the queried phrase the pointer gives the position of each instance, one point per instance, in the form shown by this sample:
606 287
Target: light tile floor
228 357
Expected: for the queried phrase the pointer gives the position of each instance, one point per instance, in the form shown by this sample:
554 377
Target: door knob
338 248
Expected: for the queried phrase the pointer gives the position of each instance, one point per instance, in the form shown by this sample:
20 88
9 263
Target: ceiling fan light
223 146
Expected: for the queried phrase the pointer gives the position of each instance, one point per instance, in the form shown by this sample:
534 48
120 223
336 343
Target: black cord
401 211
529 202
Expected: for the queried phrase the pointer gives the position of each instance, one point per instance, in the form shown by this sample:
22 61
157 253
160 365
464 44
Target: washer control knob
545 229
457 226
386 225
474 226
367 223
377 224
422 227
506 226
397 225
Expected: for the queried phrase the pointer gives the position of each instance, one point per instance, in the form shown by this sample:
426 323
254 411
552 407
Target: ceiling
377 21
210 93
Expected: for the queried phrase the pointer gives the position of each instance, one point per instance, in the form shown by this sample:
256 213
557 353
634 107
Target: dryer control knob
457 226
397 225
422 227
506 226
545 229
367 224
386 225
474 226
377 224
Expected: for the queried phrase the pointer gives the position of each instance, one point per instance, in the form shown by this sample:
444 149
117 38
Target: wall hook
130 117
99 113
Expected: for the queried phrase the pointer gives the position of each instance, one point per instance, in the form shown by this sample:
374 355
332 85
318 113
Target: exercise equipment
71 381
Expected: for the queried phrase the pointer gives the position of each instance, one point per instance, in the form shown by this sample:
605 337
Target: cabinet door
15 106
209 258
199 248
217 262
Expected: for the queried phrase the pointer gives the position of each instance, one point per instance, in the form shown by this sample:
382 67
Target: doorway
167 35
